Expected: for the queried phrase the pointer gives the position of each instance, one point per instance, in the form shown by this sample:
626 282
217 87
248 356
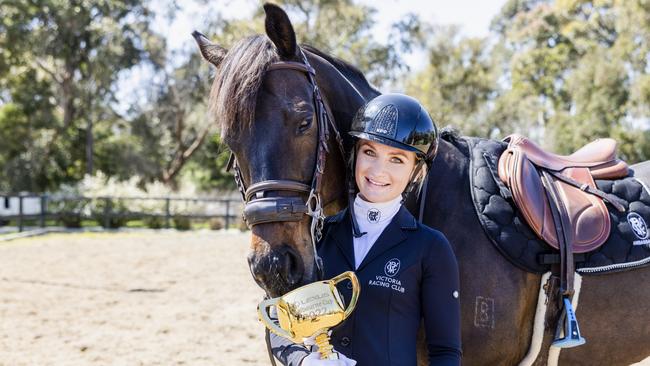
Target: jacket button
349 286
345 341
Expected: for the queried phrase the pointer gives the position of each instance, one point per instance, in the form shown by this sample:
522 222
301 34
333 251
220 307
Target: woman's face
382 172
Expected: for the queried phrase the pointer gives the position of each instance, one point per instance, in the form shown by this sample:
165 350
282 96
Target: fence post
20 213
227 214
167 213
107 212
43 210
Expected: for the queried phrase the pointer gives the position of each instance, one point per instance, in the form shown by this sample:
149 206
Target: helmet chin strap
413 180
356 232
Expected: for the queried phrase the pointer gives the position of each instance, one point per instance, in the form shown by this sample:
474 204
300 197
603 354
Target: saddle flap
525 183
588 215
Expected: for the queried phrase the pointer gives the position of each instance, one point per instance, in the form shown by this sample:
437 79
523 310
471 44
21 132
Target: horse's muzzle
278 271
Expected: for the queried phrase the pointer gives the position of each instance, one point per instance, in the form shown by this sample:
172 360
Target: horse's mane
450 134
238 80
240 75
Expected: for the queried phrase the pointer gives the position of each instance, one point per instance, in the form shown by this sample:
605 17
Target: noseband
259 208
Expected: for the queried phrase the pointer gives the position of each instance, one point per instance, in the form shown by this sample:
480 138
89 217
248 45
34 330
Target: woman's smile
376 183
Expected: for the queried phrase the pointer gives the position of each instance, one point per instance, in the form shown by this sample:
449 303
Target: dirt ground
152 298
129 299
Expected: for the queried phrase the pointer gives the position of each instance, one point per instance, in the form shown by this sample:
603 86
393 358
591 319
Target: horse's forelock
237 82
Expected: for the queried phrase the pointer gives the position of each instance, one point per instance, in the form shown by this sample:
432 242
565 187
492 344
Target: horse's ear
280 31
213 53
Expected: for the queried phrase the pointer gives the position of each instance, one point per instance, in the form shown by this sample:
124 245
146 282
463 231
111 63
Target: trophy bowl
310 311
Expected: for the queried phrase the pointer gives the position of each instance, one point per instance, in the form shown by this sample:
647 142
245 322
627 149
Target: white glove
311 341
314 360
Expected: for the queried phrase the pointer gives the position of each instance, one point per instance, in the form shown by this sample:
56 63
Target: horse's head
275 121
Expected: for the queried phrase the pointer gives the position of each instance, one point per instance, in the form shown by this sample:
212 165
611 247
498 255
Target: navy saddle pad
627 247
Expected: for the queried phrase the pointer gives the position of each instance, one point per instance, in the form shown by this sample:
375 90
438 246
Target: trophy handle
349 275
268 322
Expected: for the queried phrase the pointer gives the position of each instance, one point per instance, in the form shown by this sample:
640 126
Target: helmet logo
385 121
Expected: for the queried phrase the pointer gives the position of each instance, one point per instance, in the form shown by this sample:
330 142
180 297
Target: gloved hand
311 341
313 359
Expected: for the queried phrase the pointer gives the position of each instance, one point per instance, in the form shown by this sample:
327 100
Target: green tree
581 67
72 52
173 126
457 82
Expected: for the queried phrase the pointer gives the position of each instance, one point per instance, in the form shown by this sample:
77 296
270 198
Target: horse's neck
449 172
343 91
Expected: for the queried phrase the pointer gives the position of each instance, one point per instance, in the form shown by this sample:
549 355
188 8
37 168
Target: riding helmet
400 121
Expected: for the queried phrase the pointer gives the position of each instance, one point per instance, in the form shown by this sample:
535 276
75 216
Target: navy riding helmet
400 121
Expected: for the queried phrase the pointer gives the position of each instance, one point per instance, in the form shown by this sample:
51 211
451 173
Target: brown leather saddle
559 200
521 168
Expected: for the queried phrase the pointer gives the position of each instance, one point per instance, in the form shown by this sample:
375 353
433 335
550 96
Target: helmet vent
385 122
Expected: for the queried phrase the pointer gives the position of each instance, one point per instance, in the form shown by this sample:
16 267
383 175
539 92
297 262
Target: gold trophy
309 311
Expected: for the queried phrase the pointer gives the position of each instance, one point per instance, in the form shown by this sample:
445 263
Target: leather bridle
259 208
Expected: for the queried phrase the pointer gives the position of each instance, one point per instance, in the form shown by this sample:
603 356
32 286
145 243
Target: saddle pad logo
392 267
640 228
374 215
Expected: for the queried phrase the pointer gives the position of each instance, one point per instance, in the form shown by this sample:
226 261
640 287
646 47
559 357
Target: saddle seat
599 156
521 167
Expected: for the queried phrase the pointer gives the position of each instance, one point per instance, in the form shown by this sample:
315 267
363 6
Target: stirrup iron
569 324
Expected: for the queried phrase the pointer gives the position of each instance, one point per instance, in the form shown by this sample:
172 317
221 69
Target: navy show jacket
410 274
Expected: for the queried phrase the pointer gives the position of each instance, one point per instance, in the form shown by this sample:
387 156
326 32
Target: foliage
182 223
585 63
457 82
216 224
563 72
59 64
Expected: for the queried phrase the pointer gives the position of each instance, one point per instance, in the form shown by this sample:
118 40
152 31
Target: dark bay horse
268 121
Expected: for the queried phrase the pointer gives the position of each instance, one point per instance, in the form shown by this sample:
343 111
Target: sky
473 16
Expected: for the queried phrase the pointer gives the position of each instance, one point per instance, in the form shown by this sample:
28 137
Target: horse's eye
304 125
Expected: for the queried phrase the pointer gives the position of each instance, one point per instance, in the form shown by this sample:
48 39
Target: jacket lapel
392 235
342 235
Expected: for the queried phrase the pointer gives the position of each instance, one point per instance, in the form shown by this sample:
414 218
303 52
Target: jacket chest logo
392 267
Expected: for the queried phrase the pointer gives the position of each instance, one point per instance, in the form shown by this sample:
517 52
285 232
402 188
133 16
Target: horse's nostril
278 271
293 267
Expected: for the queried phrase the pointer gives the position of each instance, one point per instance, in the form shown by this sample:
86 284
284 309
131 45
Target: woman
407 271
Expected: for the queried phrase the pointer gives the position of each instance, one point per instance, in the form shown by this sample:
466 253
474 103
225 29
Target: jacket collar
392 235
